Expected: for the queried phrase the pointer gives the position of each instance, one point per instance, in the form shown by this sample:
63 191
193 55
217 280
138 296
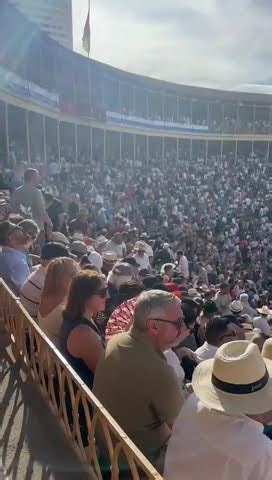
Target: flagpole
89 28
86 39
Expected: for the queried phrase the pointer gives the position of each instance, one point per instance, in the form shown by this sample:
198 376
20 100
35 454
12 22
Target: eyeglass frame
179 324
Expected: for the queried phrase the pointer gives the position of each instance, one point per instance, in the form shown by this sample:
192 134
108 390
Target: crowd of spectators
148 277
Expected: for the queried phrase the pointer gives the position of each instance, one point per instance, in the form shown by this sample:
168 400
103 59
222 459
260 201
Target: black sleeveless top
76 363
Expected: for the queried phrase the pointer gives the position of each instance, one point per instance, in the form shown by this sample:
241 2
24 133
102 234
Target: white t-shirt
210 445
205 352
143 262
173 360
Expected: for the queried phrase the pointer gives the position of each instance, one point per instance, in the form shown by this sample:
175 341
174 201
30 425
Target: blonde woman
59 275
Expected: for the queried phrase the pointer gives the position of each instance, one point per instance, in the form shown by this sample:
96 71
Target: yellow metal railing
67 395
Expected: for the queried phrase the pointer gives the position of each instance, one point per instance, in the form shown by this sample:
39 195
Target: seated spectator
14 268
30 293
190 316
231 401
120 274
209 310
217 332
59 238
95 259
79 249
141 256
80 222
261 322
240 329
247 309
80 339
58 277
237 309
116 245
109 260
122 316
222 299
161 255
132 262
167 270
132 377
31 229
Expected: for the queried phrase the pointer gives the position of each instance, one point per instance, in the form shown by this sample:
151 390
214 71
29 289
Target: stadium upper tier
34 66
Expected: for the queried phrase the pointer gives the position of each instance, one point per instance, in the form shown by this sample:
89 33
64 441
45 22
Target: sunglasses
103 292
178 324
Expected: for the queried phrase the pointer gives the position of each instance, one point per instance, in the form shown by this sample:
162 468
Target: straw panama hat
236 306
236 381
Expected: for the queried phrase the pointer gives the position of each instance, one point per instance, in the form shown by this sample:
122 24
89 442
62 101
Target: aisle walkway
32 445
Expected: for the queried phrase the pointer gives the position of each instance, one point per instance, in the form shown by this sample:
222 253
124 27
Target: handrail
67 395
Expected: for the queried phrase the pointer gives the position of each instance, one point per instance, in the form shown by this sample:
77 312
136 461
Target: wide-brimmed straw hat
236 306
264 310
236 381
267 349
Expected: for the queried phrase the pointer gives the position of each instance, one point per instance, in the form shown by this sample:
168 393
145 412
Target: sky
212 43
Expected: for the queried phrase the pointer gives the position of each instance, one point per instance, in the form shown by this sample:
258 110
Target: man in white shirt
218 434
223 299
141 256
217 332
183 264
261 322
